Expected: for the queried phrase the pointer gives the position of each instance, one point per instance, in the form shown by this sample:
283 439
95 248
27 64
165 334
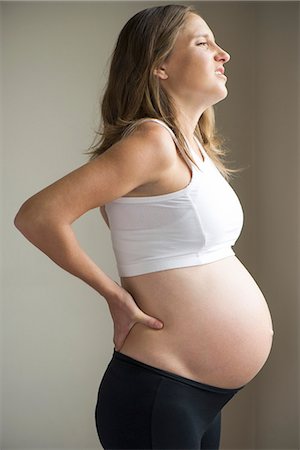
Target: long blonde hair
133 92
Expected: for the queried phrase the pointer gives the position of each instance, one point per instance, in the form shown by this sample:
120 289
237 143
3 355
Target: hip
140 406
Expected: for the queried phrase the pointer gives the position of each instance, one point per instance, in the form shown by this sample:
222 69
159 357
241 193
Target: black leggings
144 407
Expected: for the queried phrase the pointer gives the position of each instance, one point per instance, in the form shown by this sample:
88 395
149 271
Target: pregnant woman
191 326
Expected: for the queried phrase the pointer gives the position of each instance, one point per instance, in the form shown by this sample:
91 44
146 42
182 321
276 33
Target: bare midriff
217 325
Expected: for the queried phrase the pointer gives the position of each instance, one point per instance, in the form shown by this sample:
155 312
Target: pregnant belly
217 325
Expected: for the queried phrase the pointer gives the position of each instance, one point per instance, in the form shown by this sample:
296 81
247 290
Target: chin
219 98
222 95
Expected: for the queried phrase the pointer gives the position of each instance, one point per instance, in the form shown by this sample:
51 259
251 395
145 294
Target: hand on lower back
125 313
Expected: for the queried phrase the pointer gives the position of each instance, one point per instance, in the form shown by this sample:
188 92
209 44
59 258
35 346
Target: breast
217 324
193 226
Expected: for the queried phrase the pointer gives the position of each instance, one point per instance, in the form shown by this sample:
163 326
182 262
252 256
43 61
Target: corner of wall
1 216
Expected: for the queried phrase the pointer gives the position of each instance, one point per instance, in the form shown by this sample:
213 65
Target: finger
152 322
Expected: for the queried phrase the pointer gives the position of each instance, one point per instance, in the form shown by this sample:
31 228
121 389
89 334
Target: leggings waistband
125 358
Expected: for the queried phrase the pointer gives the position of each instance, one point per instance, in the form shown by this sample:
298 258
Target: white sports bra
195 225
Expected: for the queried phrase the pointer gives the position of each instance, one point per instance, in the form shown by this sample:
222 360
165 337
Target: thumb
152 322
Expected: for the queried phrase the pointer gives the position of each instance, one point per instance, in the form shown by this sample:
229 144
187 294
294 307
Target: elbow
20 217
26 217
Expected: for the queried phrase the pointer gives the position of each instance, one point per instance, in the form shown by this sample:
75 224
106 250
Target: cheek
200 71
199 64
192 69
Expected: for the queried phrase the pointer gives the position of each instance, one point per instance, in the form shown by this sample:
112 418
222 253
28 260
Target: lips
220 69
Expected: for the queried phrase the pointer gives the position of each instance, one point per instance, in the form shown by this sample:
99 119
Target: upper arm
136 159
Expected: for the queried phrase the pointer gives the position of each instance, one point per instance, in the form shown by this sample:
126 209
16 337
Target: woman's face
189 73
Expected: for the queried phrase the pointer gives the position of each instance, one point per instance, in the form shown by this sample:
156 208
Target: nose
223 55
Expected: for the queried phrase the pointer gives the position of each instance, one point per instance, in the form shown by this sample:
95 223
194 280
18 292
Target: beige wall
57 331
1 226
277 194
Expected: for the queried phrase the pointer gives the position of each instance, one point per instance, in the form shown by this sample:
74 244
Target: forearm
59 243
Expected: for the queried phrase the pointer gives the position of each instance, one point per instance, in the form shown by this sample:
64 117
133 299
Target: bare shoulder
157 142
148 152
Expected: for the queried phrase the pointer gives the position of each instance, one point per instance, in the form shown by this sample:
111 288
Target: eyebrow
203 35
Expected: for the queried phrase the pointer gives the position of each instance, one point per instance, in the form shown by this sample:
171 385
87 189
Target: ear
160 72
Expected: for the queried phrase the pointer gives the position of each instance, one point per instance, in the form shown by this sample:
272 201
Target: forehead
196 26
